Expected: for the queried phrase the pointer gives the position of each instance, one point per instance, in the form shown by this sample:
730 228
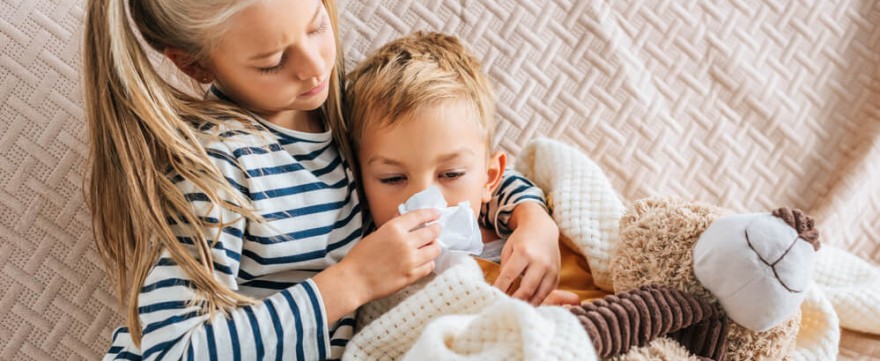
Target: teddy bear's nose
757 266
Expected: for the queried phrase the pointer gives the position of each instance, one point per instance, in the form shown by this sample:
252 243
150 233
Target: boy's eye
452 175
392 180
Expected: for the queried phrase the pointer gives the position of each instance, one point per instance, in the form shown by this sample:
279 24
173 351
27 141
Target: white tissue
460 235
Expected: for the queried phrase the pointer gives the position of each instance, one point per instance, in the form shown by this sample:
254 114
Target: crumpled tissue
460 235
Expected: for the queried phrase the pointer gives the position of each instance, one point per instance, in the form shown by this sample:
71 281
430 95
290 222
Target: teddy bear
693 281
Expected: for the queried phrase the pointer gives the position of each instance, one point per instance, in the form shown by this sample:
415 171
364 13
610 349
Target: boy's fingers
530 283
510 271
547 286
562 298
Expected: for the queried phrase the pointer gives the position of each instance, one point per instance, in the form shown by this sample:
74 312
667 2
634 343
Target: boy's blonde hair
407 74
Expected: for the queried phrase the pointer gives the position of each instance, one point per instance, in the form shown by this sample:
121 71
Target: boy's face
443 145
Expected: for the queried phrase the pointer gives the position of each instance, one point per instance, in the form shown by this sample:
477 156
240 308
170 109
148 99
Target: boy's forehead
453 124
459 107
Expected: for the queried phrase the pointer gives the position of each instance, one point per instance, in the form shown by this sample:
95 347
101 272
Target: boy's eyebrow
273 52
455 154
383 160
441 158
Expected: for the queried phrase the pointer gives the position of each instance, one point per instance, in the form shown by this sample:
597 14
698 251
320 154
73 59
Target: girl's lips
316 89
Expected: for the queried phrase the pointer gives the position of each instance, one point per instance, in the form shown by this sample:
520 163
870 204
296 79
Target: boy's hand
531 251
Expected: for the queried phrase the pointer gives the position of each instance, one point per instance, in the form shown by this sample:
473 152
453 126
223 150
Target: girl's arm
291 323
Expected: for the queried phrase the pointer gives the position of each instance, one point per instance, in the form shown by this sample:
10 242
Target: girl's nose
310 64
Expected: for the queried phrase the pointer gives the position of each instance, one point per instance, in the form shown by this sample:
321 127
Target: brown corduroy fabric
619 322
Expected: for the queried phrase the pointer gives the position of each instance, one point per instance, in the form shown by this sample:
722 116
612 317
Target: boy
421 115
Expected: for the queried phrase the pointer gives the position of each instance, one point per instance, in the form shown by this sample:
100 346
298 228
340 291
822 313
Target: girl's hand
531 251
396 255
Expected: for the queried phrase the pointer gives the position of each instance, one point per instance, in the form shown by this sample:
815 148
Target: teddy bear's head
754 267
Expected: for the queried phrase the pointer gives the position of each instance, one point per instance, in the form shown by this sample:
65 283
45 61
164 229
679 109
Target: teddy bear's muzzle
759 265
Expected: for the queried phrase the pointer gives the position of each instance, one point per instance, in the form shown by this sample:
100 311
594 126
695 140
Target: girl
226 217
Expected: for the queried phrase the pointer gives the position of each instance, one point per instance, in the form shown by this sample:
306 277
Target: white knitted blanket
458 316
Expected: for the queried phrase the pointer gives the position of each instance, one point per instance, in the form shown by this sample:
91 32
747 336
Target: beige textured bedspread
750 104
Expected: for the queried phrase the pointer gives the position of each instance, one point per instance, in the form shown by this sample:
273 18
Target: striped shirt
304 189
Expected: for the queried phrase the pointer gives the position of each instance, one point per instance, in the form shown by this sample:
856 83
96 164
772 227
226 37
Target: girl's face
276 57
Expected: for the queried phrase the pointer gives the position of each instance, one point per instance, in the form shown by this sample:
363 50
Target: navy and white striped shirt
299 183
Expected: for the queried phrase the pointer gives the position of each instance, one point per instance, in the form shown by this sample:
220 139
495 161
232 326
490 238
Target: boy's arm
518 212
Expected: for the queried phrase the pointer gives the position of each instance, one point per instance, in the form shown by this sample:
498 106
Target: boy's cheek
382 207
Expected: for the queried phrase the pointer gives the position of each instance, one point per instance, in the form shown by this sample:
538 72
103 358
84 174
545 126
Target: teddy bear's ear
803 224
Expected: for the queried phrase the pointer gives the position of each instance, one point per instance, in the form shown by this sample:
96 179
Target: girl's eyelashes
276 68
325 25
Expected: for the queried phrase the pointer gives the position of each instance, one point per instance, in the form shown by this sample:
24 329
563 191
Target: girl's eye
325 25
452 175
276 68
272 69
392 180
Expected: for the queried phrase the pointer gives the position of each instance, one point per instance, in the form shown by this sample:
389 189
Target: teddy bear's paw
617 323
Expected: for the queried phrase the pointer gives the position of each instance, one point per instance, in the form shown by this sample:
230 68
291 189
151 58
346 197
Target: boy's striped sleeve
514 189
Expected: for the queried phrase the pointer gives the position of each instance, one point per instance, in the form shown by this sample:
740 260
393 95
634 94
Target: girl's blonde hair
142 129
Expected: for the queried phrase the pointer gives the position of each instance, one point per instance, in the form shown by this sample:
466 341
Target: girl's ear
494 173
187 64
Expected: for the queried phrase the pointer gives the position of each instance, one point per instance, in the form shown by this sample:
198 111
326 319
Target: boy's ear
494 173
187 64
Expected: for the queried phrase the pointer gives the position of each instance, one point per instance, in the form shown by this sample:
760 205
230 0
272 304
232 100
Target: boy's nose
417 186
415 190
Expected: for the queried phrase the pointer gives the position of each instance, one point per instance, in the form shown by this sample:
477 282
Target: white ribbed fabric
818 336
846 294
585 206
509 330
853 287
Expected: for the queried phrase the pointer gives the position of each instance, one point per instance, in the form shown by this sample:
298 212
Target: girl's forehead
267 27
